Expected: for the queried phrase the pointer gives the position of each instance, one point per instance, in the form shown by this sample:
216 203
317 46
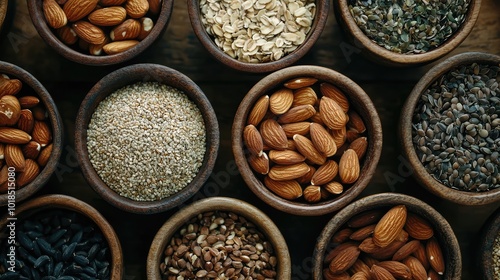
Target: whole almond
89 32
360 266
31 150
307 149
351 135
344 260
253 140
433 275
10 135
259 164
42 133
359 146
291 129
286 157
4 175
300 82
111 2
78 9
297 114
359 276
97 49
147 25
10 110
10 86
362 233
421 255
119 46
368 246
341 236
332 114
406 250
304 96
28 101
322 140
316 118
380 273
355 122
31 170
325 173
273 134
334 187
286 189
39 113
312 194
258 110
398 269
365 218
337 249
137 8
127 30
418 271
435 255
67 35
280 101
385 253
306 178
417 227
54 14
339 136
349 167
288 172
336 94
154 6
108 16
14 157
44 156
390 226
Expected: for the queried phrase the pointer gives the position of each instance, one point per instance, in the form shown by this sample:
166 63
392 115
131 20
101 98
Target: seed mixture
258 30
496 258
456 128
219 245
146 141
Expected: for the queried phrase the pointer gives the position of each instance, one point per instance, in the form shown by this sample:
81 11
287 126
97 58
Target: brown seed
273 135
259 164
301 82
349 167
291 129
344 260
337 249
154 6
108 16
325 173
355 122
421 255
29 173
365 218
322 140
312 194
362 233
286 157
286 189
78 9
258 111
398 269
137 8
253 140
31 150
406 250
44 156
342 235
435 255
119 46
339 136
288 172
10 135
304 96
332 114
127 30
336 94
352 135
417 227
380 273
360 266
418 271
14 157
359 146
334 187
306 179
390 225
359 276
67 35
307 149
42 133
90 33
54 14
297 114
10 86
280 101
29 101
147 25
10 110
26 121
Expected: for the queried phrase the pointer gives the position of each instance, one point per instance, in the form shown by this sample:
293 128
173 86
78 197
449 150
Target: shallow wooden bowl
378 54
359 100
74 54
489 232
242 208
322 7
442 230
129 75
64 202
32 84
405 133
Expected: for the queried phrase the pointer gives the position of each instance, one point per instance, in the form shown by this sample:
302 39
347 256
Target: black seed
41 261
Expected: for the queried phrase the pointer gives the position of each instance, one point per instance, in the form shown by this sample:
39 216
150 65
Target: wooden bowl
129 75
322 7
380 55
359 100
405 133
30 83
489 233
63 202
76 55
261 221
442 230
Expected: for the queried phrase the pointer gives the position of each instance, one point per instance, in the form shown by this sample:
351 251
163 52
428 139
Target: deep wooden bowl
242 208
129 75
57 201
442 230
322 8
359 100
380 55
48 35
405 132
31 83
489 232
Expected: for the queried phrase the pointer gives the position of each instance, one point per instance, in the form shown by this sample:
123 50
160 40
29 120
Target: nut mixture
305 145
258 31
219 245
25 134
101 27
385 244
146 141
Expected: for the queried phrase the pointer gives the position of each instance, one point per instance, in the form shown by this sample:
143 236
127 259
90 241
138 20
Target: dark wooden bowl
405 133
359 100
242 208
29 81
129 75
382 56
57 201
489 233
442 230
48 35
322 8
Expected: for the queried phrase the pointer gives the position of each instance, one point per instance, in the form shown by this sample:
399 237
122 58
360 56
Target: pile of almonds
385 244
101 26
305 145
25 134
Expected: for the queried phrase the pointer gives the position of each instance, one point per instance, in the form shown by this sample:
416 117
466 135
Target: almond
369 261
78 9
147 25
297 83
285 189
129 29
355 122
291 129
390 226
304 96
108 16
154 6
322 140
10 86
398 269
137 8
362 233
352 135
31 150
13 136
349 167
339 136
380 273
435 255
61 2
433 275
29 174
54 14
14 157
360 266
385 253
365 218
297 114
89 32
325 173
342 235
359 276
332 114
417 227
334 187
288 172
2 151
406 250
328 275
368 246
286 157
307 149
259 164
97 49
337 249
28 101
119 46
336 94
421 255
258 111
253 140
39 113
26 121
44 156
312 194
111 2
306 179
4 174
280 101
67 35
359 146
344 260
316 118
273 135
42 133
418 271
10 110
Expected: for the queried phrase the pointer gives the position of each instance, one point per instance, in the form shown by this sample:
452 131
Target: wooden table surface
179 48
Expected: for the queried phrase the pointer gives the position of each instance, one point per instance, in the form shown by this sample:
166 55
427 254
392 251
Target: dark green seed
41 261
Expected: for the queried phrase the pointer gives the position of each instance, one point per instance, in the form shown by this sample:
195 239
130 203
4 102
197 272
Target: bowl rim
125 76
50 38
352 90
489 232
405 132
54 201
240 207
385 56
385 200
14 71
319 24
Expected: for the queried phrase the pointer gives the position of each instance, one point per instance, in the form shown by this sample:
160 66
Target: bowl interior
129 75
359 101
